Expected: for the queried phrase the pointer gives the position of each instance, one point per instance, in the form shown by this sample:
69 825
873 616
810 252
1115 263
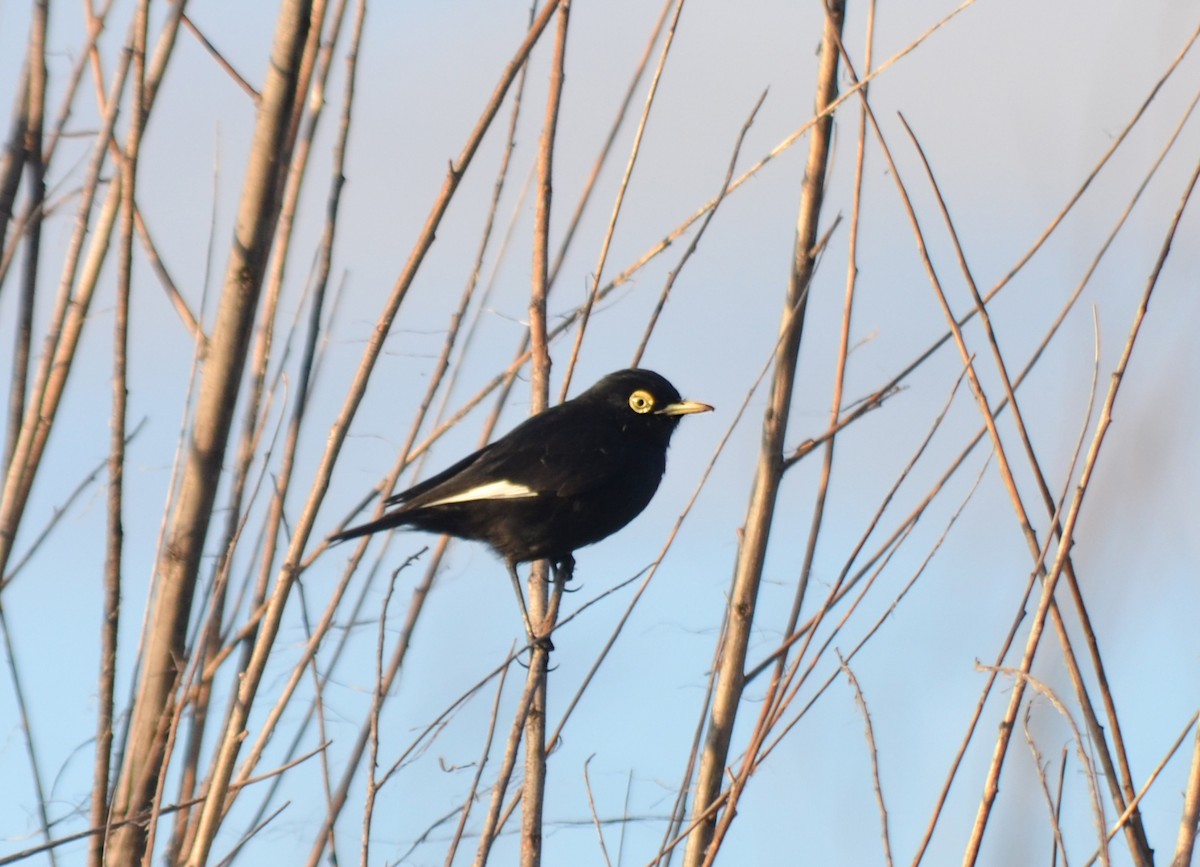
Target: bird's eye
641 401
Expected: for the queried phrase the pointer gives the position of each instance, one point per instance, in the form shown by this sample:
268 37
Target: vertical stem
532 797
12 163
219 387
27 728
116 460
1190 821
67 322
753 548
991 786
34 120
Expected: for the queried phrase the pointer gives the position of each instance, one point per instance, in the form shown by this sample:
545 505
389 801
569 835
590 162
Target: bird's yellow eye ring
641 401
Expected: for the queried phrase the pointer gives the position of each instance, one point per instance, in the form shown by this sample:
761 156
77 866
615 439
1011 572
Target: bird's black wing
553 453
445 477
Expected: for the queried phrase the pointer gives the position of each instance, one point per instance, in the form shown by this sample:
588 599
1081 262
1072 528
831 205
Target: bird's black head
643 400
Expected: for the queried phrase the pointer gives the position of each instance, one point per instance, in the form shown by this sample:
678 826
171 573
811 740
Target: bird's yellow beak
684 407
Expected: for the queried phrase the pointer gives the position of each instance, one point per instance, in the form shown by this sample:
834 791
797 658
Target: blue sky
1014 103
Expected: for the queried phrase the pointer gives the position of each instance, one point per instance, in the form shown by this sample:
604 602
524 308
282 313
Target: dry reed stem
223 768
705 839
70 309
338 800
1051 580
256 403
671 836
220 384
168 284
1058 802
114 543
786 685
222 62
542 610
1003 463
1121 787
61 510
786 728
787 688
826 472
1133 805
88 57
35 167
210 632
1189 822
673 831
62 335
12 165
839 375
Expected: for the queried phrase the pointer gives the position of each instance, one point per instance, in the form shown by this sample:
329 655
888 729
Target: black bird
560 480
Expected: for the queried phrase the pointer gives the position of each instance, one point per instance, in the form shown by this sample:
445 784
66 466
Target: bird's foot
564 569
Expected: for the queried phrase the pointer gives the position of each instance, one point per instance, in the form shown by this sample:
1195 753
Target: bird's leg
564 569
562 574
516 582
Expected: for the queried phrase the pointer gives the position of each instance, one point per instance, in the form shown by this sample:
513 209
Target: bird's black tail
387 522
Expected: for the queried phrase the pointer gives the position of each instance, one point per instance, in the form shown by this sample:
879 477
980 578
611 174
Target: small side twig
861 701
376 709
691 248
587 784
1053 802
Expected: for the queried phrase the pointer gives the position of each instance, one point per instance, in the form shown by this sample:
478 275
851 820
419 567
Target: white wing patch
501 490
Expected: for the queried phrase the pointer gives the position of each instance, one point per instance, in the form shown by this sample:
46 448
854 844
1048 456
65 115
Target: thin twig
1081 749
606 243
695 242
1051 580
166 809
1121 789
472 793
1053 804
861 701
222 62
587 785
705 840
377 694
